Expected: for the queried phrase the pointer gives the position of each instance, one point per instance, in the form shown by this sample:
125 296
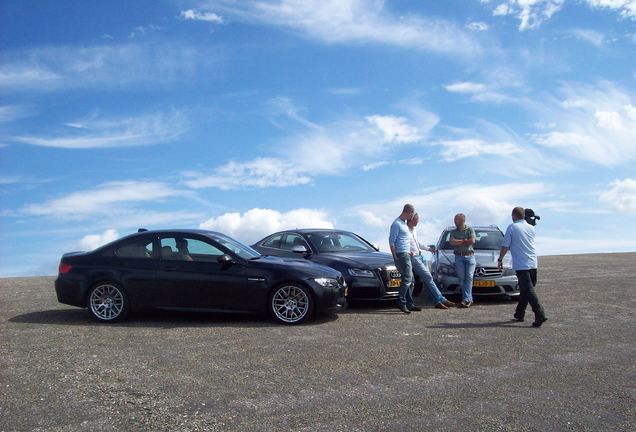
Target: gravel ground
365 369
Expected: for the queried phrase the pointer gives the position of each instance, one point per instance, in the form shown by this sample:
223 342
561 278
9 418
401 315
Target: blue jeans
420 268
403 264
465 268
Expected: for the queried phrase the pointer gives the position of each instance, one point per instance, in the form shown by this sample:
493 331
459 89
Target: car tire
291 303
107 302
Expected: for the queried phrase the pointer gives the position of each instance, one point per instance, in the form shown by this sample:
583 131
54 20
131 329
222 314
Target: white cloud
395 129
257 223
195 15
437 206
351 21
93 241
530 13
347 91
590 36
114 132
478 91
593 122
621 195
627 8
102 200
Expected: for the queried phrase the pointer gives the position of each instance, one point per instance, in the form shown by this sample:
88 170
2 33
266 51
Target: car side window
292 240
273 241
188 249
141 248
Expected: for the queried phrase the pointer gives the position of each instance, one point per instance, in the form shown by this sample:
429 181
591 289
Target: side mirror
225 261
299 249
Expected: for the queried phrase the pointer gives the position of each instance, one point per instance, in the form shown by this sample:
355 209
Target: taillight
64 268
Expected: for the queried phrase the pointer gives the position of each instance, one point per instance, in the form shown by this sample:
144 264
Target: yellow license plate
483 283
394 283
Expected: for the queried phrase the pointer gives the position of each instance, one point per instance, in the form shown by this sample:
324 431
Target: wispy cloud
105 66
9 113
351 21
596 123
590 36
256 223
195 15
478 91
477 26
257 173
103 199
465 148
94 132
321 150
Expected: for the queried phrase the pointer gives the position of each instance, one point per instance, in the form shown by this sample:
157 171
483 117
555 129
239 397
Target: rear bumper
70 290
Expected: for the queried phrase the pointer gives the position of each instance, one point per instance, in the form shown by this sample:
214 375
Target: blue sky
248 117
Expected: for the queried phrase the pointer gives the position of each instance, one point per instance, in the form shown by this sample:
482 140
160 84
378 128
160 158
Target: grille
387 274
487 272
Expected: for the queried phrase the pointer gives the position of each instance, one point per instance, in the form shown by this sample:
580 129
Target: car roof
481 227
311 230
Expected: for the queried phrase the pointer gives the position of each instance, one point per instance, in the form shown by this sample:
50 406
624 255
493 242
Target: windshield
329 241
485 240
237 247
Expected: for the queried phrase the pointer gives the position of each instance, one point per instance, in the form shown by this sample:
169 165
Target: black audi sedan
194 270
370 274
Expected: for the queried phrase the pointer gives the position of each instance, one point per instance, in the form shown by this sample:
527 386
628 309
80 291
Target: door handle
169 268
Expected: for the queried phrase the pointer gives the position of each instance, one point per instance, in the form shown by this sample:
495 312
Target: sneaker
441 306
414 308
465 304
518 318
449 303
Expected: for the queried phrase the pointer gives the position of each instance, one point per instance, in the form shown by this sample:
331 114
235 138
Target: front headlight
447 270
327 282
361 273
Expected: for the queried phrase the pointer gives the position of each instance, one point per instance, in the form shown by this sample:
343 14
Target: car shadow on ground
159 319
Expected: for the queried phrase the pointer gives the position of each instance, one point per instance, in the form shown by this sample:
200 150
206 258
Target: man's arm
502 253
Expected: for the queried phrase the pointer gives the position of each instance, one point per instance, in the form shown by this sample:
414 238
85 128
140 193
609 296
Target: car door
284 245
193 278
137 261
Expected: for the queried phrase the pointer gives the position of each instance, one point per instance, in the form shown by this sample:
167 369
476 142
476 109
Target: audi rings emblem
395 274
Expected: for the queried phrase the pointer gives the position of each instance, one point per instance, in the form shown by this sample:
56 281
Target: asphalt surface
369 368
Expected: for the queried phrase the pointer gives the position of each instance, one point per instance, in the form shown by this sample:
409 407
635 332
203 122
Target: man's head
530 217
517 213
460 220
407 212
412 223
182 243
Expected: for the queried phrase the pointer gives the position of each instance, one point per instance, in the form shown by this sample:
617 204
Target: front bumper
503 285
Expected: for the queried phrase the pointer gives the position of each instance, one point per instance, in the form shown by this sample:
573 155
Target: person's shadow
467 325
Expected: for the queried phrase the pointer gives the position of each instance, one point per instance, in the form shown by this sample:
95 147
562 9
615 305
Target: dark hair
408 208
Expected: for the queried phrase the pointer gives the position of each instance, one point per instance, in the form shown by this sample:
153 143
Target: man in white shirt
420 267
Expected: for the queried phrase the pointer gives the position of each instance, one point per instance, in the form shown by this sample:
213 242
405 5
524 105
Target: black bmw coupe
370 274
194 270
